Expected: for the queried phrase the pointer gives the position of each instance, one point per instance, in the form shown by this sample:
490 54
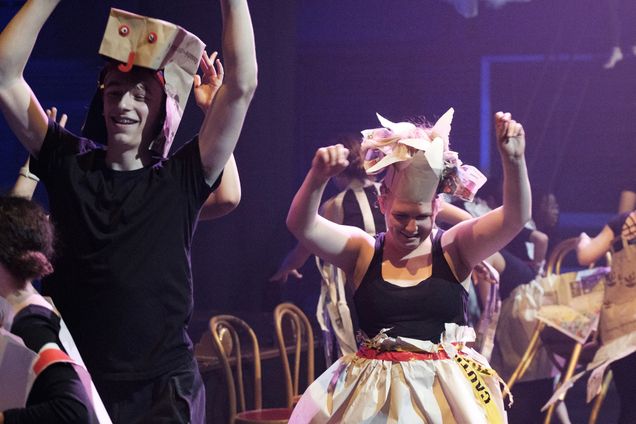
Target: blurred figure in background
618 313
519 263
545 217
627 200
26 248
622 17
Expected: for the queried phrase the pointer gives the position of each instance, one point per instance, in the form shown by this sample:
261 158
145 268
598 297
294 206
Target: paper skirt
407 381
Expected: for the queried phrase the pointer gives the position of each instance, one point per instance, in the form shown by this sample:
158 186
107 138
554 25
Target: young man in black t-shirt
126 219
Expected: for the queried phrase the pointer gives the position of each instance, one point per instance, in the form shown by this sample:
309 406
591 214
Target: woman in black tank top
414 366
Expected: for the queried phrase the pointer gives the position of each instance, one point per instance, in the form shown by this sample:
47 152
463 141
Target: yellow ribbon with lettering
475 373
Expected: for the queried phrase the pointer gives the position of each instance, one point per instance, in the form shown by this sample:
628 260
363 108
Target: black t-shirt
57 395
122 277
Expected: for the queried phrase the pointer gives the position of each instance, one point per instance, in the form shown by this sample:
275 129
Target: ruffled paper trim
453 333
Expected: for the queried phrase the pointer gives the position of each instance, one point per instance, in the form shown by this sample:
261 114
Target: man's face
133 103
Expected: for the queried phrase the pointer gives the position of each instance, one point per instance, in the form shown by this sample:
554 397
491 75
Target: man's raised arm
19 105
224 119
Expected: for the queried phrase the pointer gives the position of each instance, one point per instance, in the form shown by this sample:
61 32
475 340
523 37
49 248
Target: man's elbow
247 89
220 207
231 202
249 83
243 87
221 210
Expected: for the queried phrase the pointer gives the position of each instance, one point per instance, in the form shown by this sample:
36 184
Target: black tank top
418 311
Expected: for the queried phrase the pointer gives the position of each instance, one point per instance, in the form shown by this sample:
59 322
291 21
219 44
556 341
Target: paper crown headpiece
136 40
417 161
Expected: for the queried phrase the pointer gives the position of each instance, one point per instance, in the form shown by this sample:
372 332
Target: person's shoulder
37 311
67 140
36 325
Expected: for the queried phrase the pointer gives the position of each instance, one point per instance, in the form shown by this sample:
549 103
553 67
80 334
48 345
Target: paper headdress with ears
136 40
418 162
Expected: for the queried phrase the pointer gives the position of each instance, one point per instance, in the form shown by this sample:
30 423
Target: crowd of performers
403 266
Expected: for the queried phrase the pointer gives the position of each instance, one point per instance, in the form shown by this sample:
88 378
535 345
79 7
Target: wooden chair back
235 342
228 333
291 324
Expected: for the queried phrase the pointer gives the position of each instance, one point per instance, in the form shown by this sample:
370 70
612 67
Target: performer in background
618 314
622 16
26 249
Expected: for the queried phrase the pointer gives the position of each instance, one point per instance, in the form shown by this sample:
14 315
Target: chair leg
598 401
574 359
528 356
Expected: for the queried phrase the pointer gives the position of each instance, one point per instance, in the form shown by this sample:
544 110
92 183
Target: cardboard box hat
417 161
137 40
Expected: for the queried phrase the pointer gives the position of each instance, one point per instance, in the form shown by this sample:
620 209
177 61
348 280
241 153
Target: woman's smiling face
408 223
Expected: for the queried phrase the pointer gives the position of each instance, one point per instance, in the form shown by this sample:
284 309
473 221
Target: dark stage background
326 67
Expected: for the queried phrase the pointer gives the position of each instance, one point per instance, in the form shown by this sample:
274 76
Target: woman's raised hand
330 161
511 138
